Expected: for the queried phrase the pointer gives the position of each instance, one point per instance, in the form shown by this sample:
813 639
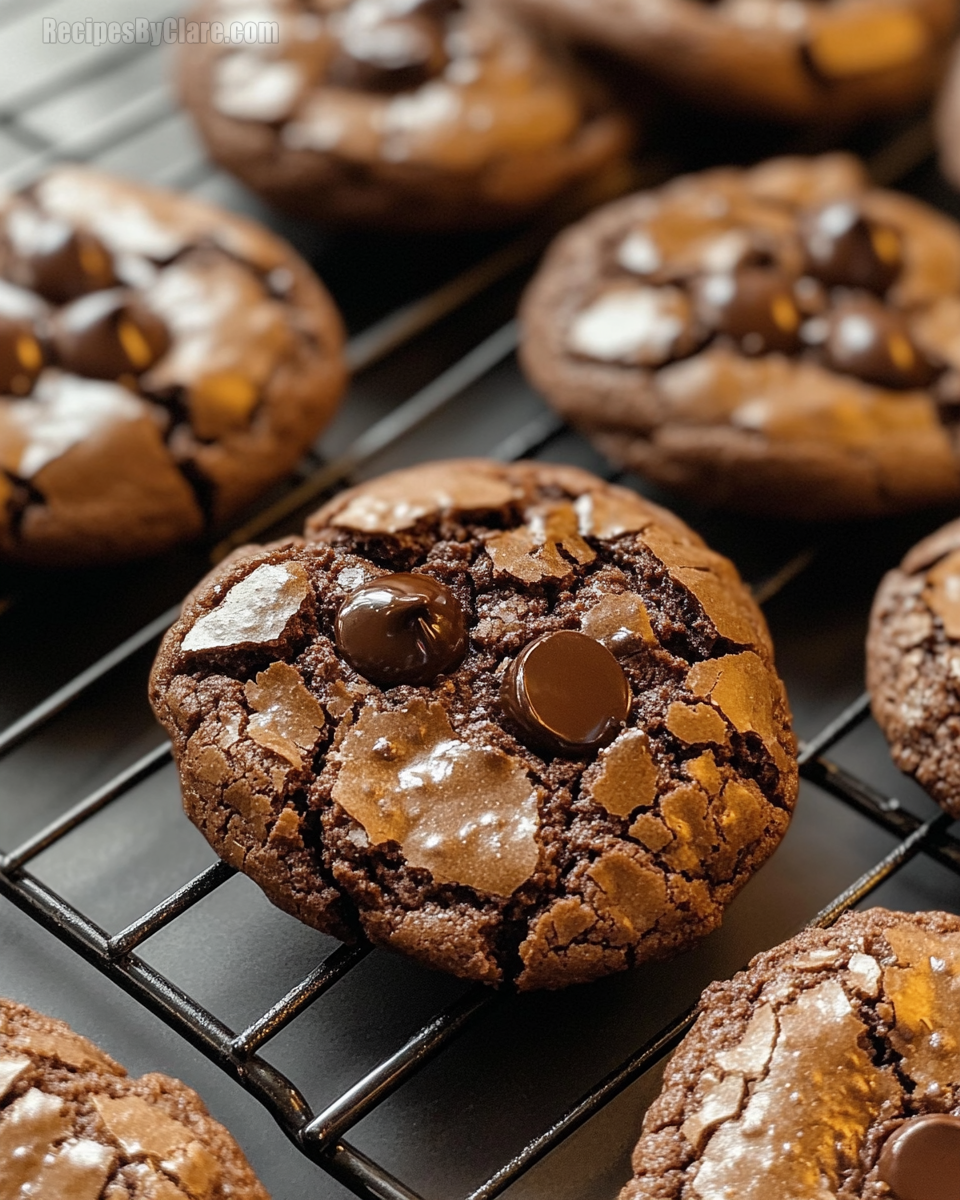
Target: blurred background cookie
512 721
410 114
912 655
947 121
795 60
161 362
74 1124
828 1067
783 340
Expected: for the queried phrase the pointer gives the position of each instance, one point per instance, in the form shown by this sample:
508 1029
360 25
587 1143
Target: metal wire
320 1135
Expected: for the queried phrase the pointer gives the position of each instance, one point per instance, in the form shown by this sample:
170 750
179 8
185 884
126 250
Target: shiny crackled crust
483 140
772 58
253 371
774 433
912 652
841 1034
607 860
73 1122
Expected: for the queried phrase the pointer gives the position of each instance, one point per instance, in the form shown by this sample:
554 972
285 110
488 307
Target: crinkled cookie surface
75 1126
782 340
161 362
438 818
829 1068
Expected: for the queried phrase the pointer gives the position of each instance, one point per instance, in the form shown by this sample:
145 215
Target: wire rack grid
321 1135
28 113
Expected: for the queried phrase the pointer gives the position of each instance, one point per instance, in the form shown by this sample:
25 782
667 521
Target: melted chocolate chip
109 335
389 56
921 1160
755 306
846 249
63 263
568 693
21 357
402 629
869 340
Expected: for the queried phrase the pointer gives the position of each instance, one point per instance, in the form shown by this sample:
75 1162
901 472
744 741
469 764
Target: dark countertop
526 1060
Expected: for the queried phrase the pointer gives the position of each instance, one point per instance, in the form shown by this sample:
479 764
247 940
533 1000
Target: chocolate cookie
512 721
912 655
75 1126
783 340
415 114
793 60
161 363
829 1068
946 117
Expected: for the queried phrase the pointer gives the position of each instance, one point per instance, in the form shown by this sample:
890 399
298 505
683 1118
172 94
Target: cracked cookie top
161 361
383 102
828 1068
738 322
511 720
73 1123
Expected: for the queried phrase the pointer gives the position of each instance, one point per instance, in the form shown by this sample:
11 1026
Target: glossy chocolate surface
109 334
755 306
57 260
921 1160
402 628
568 693
846 249
874 342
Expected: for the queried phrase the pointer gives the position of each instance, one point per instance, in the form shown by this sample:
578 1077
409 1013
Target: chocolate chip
402 629
21 357
921 1160
568 694
869 340
389 56
108 335
846 249
61 263
754 305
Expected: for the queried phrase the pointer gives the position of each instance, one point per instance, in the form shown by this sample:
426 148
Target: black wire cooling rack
321 1135
39 124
